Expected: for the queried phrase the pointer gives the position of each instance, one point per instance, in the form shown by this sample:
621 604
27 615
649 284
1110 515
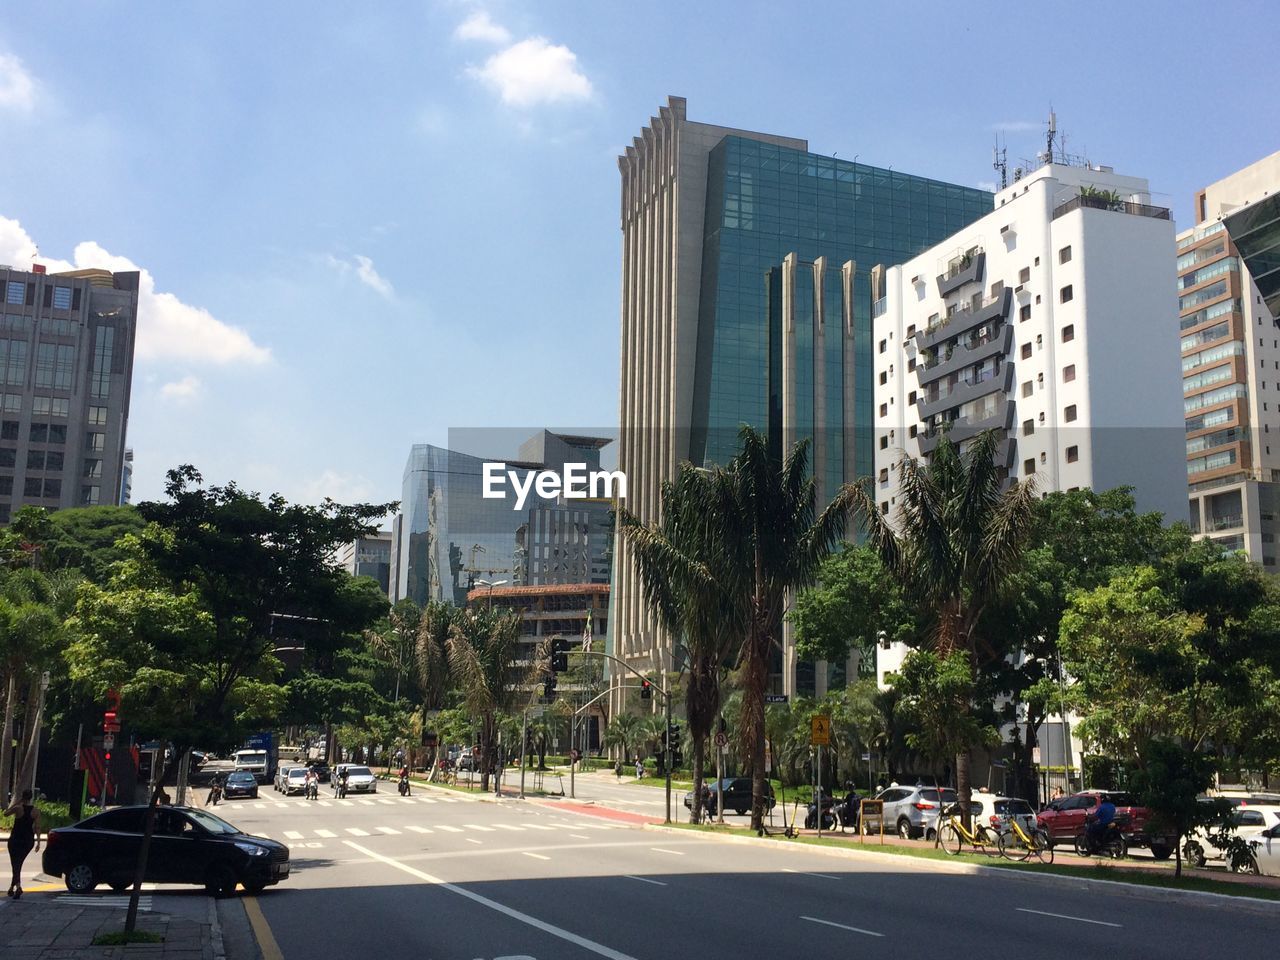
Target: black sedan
737 795
242 783
187 846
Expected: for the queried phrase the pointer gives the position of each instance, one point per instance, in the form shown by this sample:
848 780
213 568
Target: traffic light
110 722
673 730
559 654
646 690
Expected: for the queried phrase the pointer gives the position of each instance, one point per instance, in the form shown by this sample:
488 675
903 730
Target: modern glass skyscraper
745 300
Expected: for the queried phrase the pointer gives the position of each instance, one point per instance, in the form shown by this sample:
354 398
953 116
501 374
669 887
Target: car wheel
931 834
220 881
254 887
1160 851
904 828
740 811
81 879
1194 853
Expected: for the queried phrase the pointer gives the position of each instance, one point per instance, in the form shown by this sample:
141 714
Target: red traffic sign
722 740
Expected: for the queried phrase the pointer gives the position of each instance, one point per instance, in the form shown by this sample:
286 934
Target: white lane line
656 883
367 803
283 806
389 831
327 834
1063 916
599 949
476 826
426 800
508 826
579 836
292 835
324 803
842 926
474 840
259 806
538 826
806 873
536 856
449 829
420 829
386 800
357 832
674 853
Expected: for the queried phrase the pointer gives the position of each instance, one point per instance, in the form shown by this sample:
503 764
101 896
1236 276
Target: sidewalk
41 928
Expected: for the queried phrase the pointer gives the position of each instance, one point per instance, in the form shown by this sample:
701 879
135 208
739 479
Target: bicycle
1015 843
952 835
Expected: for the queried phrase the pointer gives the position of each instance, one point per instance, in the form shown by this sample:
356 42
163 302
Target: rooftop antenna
1000 162
1050 136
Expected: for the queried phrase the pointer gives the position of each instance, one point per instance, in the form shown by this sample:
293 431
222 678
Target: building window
95 442
884 443
1028 427
93 469
13 361
1068 373
90 495
884 474
32 487
15 292
62 298
1069 414
1037 259
35 459
39 433
911 399
911 364
884 506
884 409
884 345
1066 295
1073 454
912 431
57 433
911 331
52 488
6 486
53 460
884 378
1024 312
1068 333
12 401
1064 255
1028 467
1024 275
8 457
9 430
97 416
1026 389
1026 351
100 376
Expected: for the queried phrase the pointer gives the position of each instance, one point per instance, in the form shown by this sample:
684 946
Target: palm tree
957 538
677 559
434 623
768 509
480 657
396 642
624 732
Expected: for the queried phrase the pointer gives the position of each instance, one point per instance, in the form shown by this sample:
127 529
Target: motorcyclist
404 780
215 791
849 808
1102 819
342 783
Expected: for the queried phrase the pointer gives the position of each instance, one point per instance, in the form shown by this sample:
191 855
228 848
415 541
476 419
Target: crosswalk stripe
425 800
259 806
420 829
324 803
327 834
507 826
367 803
448 828
357 832
389 831
282 806
390 800
292 835
476 826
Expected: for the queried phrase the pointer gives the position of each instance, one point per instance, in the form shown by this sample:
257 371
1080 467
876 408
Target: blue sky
366 224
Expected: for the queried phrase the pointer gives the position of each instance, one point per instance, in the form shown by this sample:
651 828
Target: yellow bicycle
1017 843
953 835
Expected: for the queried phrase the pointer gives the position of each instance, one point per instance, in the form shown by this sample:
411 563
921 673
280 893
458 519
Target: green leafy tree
958 536
394 642
90 539
624 732
1169 783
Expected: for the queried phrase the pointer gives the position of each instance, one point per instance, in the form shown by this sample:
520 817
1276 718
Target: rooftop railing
1081 200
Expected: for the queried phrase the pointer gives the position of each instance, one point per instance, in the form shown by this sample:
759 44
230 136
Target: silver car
295 781
911 811
361 780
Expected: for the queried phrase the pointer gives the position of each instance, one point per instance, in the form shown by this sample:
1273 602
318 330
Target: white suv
1247 820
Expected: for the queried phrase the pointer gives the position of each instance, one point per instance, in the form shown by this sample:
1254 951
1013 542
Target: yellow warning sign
820 730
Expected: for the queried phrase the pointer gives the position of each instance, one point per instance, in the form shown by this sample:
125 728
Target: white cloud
365 273
168 329
480 26
188 388
17 88
342 487
534 71
1018 126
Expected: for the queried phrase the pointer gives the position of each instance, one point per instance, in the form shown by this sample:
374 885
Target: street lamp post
35 763
491 585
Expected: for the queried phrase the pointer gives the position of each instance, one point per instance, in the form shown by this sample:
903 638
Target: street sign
108 742
775 698
722 741
820 730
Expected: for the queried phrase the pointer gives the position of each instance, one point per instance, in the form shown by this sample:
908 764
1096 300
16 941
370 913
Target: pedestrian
1057 794
617 769
24 835
639 768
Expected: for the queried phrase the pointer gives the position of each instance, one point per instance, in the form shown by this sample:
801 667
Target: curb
215 932
1137 891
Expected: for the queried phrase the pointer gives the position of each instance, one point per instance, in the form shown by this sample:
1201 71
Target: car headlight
252 849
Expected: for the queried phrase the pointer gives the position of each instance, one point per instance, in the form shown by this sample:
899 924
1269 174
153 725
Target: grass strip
119 938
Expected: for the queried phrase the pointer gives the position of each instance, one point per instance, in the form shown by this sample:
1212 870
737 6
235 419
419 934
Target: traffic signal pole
667 695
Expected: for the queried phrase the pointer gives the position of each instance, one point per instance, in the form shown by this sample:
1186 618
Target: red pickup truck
1065 819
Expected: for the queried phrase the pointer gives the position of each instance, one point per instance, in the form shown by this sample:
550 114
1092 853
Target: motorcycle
1111 843
848 810
313 789
215 793
828 814
404 786
342 789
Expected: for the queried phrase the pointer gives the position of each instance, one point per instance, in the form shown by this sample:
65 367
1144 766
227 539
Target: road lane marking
806 873
282 806
538 826
656 883
389 831
367 803
597 948
450 829
420 829
579 836
425 800
386 800
474 840
674 853
324 803
327 834
536 856
1063 916
357 832
508 826
261 930
476 826
292 835
842 926
259 806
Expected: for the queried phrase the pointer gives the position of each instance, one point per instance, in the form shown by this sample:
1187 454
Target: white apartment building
1047 319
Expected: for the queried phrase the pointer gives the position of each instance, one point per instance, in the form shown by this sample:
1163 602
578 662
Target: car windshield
358 772
242 777
211 823
297 774
1013 808
931 794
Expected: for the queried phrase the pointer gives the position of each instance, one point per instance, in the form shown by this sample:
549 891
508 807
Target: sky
364 225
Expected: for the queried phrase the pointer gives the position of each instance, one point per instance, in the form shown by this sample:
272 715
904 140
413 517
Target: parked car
736 792
995 811
1265 845
296 781
241 783
187 846
1064 820
910 811
468 762
1247 819
361 780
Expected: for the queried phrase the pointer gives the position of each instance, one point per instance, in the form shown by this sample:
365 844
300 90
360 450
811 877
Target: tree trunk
695 815
963 788
31 730
486 751
149 823
6 737
1177 856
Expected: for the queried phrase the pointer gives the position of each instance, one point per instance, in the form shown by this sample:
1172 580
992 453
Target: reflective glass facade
1256 233
765 201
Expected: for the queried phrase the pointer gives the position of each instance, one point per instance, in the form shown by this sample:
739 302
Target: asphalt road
441 877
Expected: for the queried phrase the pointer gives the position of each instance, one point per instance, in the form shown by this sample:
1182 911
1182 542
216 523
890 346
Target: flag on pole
586 635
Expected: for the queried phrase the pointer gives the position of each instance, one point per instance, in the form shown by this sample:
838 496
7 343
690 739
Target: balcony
965 269
963 429
969 350
879 307
1214 524
967 390
976 314
1109 202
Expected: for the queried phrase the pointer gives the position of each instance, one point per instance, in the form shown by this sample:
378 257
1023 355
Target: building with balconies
1042 320
1228 298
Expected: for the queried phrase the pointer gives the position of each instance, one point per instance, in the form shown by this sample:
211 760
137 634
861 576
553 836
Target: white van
252 761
